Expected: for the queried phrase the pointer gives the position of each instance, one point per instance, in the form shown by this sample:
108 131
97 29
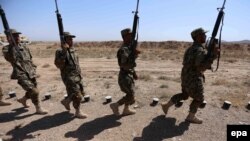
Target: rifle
61 31
213 40
8 34
133 43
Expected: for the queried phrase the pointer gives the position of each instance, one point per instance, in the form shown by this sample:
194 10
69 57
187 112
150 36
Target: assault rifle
61 33
211 43
9 35
133 43
7 30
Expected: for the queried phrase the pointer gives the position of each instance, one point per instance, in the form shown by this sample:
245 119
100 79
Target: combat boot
79 114
128 111
40 110
66 103
166 106
4 103
23 101
193 119
115 108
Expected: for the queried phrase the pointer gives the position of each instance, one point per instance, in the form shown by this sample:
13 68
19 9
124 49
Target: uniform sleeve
201 62
124 54
60 59
9 54
125 61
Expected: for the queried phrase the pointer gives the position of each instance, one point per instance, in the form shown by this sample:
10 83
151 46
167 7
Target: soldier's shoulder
5 48
197 47
59 50
124 48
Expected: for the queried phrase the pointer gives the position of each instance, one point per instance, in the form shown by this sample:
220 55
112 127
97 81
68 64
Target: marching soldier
126 76
195 63
24 70
71 75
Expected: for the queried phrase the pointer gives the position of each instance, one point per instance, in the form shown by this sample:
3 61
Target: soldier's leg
76 98
32 92
198 98
2 102
129 99
174 99
26 85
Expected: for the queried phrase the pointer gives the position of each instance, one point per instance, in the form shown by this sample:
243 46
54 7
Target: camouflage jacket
195 63
124 61
21 61
68 71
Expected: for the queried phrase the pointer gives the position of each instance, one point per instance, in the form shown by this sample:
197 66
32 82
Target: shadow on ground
11 116
43 123
161 128
88 130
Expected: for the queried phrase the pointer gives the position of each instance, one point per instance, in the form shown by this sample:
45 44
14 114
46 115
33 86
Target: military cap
125 31
67 34
13 31
197 31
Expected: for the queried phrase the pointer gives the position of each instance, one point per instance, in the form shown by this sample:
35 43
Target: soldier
71 75
24 70
126 75
2 102
195 63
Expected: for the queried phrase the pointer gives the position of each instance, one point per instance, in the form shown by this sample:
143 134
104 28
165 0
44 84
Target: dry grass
46 65
164 86
107 85
164 78
220 82
145 77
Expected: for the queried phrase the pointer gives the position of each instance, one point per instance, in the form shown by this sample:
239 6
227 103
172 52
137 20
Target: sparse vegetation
163 78
145 77
46 65
164 86
220 82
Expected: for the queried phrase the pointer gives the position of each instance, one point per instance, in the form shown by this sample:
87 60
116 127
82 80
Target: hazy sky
99 20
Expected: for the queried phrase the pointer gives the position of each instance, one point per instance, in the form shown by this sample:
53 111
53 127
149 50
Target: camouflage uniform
192 76
23 70
70 75
125 80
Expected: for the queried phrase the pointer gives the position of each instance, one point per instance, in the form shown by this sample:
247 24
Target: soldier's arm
30 57
201 62
8 53
125 60
60 59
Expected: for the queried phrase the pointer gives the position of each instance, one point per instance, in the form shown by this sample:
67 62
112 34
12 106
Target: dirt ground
159 76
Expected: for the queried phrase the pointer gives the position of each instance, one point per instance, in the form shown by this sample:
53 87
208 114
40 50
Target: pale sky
102 20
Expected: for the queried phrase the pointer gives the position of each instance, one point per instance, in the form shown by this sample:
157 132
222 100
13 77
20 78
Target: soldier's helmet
197 31
67 34
14 31
125 31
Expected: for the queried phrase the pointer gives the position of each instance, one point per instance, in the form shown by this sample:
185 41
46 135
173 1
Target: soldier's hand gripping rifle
61 33
133 43
211 43
9 35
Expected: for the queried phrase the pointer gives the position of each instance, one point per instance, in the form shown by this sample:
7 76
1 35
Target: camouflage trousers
75 92
30 86
194 90
127 86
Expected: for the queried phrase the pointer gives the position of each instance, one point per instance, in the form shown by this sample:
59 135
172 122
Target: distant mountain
242 41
